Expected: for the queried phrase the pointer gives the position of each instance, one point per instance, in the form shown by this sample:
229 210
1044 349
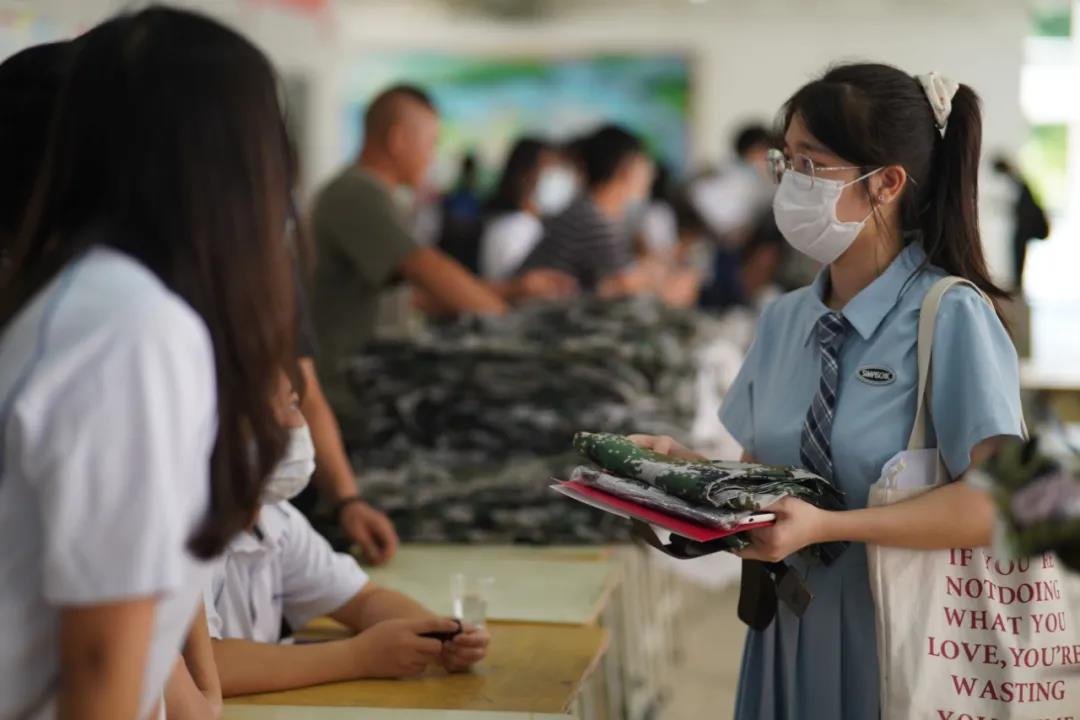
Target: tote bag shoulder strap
927 323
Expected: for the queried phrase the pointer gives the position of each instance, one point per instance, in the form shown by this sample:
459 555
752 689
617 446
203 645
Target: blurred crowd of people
596 215
609 219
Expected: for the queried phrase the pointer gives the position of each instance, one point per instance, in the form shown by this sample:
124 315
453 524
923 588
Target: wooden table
534 585
293 712
532 668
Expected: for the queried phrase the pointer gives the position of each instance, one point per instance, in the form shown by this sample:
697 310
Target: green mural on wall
487 102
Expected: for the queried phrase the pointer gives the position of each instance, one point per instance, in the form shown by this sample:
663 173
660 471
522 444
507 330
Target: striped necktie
815 449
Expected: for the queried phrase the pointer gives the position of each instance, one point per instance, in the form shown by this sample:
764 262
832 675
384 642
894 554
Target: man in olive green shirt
363 244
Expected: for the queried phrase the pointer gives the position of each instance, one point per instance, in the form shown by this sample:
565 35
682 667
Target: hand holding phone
444 636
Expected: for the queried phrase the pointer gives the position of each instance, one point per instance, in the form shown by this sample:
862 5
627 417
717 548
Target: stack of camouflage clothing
463 424
436 497
720 494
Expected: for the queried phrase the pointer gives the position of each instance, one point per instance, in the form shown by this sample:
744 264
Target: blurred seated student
535 183
658 231
136 377
461 217
732 198
589 240
761 260
364 246
666 249
753 280
281 568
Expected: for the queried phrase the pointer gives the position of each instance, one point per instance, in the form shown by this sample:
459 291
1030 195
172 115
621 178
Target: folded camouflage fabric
1038 501
653 497
730 486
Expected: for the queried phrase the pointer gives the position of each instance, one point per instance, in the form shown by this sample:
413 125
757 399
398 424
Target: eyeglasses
805 172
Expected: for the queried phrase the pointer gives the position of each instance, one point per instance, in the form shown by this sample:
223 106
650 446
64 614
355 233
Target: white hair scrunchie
939 91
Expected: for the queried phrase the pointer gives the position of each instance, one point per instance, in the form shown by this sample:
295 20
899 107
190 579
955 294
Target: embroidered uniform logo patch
876 375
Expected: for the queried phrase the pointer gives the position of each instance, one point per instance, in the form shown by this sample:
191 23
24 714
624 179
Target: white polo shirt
108 413
290 571
507 241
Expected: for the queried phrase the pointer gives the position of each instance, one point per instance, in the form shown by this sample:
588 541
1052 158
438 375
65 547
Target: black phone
444 636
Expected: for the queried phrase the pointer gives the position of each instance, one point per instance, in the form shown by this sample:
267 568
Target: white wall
1073 84
747 57
297 43
746 63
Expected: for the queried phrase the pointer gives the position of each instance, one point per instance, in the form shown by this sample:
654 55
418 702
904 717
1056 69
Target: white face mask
293 472
806 216
555 190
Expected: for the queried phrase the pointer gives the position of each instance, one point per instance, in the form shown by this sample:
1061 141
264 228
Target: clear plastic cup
469 597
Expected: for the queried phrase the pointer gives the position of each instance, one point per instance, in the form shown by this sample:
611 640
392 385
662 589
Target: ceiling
535 9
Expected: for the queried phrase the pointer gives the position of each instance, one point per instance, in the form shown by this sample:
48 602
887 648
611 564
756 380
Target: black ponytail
876 115
950 222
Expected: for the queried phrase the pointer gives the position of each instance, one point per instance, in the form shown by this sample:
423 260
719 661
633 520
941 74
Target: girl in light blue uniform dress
878 183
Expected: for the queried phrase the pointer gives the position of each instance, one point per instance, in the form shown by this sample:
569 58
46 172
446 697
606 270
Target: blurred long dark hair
169 141
30 83
875 115
518 175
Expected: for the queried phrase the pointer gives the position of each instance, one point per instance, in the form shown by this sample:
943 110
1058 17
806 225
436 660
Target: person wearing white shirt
534 184
114 504
136 377
507 240
281 568
732 199
657 232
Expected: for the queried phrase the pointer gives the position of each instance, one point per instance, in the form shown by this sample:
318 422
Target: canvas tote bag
962 633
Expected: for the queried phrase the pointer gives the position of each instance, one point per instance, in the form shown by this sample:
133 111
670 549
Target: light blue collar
866 310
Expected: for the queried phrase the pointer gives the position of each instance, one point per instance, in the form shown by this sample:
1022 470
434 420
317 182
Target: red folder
628 508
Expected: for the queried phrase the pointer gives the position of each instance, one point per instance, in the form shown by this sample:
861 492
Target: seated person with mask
281 568
535 183
590 239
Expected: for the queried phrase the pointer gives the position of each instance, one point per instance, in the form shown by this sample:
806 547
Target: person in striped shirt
589 239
